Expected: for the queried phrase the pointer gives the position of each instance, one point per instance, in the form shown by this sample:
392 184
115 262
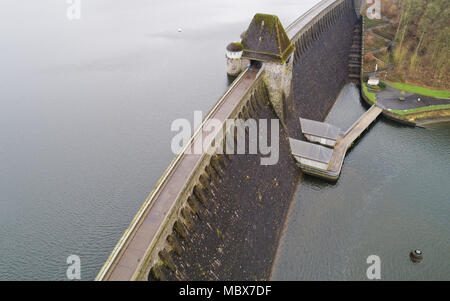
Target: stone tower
234 61
266 40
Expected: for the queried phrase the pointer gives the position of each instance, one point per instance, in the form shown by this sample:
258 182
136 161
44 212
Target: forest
412 42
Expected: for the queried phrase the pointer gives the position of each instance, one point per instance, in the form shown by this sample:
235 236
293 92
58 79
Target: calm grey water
393 196
85 114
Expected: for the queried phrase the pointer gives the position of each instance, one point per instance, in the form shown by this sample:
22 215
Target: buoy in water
416 255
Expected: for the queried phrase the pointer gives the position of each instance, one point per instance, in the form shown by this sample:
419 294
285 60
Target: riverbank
414 109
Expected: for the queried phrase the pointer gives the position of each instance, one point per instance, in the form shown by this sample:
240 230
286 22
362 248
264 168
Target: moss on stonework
266 40
270 21
235 47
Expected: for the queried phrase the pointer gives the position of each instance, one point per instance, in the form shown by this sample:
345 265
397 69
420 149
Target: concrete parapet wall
425 116
321 22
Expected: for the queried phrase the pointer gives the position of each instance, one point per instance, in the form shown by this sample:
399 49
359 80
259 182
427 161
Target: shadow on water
316 183
230 79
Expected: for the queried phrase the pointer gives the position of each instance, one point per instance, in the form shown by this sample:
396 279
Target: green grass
420 90
369 23
370 95
415 110
375 89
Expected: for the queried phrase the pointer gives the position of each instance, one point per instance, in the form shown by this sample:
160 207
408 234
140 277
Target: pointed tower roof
266 40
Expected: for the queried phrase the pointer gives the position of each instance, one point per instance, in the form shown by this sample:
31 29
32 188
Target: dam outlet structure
266 41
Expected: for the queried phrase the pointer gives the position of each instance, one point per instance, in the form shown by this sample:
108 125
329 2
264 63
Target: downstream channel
393 196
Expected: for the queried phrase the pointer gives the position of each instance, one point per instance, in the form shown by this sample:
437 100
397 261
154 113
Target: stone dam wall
230 224
321 66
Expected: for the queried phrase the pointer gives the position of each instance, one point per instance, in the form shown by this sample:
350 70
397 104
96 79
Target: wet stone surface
235 223
320 73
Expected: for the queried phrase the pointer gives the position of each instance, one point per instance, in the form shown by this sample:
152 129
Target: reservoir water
85 113
393 196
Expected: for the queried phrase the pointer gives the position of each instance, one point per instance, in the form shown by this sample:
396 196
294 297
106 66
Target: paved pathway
390 43
389 98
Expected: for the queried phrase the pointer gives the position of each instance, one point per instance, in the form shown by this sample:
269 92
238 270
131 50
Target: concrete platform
324 162
320 132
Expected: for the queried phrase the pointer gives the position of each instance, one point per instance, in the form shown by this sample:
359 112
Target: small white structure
235 63
373 81
234 54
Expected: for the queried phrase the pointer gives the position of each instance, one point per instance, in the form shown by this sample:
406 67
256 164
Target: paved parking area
389 99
